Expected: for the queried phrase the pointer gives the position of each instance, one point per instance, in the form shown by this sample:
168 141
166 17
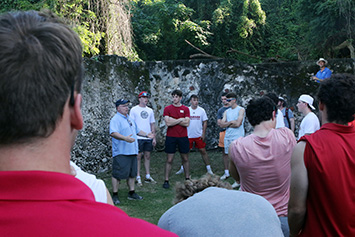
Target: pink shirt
264 167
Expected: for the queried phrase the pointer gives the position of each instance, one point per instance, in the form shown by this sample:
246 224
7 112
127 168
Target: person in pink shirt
261 161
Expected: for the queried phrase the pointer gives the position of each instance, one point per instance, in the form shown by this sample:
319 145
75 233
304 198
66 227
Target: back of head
259 110
190 187
273 97
338 95
40 67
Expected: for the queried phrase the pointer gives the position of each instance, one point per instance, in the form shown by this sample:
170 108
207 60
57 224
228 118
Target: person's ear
76 116
274 115
321 106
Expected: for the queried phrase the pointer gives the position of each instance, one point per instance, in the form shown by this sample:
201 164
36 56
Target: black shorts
145 145
181 142
124 166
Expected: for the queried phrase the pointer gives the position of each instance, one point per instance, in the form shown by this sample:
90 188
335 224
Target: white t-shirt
97 186
197 116
143 116
280 123
309 124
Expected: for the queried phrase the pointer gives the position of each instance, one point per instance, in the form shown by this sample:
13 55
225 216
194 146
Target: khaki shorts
221 139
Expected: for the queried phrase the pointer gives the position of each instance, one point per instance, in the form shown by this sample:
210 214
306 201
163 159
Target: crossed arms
223 123
170 121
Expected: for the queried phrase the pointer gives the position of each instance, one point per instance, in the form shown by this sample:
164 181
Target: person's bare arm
238 122
119 136
144 134
223 123
185 122
292 122
298 190
232 168
204 127
109 198
152 128
169 121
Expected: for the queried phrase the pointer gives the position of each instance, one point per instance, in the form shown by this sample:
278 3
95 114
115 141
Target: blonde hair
188 188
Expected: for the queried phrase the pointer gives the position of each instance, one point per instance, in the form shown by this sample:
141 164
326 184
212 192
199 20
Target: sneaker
139 181
180 171
134 196
235 185
150 180
224 177
115 200
210 172
166 185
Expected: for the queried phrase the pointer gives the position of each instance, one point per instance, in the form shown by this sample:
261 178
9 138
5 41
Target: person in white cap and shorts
324 72
310 123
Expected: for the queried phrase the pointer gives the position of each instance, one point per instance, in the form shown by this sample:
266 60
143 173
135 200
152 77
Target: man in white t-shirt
310 123
196 132
144 118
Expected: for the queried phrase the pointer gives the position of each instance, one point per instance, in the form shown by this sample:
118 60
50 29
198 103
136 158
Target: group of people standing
40 114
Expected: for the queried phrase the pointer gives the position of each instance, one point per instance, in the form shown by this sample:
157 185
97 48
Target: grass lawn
156 199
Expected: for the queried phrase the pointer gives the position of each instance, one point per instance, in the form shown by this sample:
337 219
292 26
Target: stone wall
109 78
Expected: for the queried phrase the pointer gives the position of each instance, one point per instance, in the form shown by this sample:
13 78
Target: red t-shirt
330 161
39 203
176 113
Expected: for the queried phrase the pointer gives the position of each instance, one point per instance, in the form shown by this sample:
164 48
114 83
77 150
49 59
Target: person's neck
263 129
48 154
307 111
177 105
194 107
234 106
142 105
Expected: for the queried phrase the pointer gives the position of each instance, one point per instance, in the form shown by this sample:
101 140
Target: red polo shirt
39 203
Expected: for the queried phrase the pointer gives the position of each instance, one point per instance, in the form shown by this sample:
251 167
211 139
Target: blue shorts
145 145
181 142
124 166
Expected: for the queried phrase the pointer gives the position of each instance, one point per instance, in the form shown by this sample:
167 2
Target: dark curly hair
338 95
259 110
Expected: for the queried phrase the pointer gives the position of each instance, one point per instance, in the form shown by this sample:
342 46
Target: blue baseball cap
121 102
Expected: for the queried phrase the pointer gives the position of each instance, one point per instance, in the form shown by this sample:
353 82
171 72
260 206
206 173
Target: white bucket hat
307 99
322 59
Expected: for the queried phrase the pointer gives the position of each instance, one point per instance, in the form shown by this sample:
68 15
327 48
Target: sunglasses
229 100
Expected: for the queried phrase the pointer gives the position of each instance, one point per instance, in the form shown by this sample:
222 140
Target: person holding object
323 72
124 131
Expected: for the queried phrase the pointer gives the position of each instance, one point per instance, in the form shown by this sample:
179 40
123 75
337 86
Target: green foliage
75 11
160 28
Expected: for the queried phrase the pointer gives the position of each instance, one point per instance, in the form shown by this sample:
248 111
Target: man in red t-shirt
177 118
322 166
40 115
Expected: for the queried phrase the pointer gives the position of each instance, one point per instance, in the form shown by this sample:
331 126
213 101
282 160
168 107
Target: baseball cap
281 98
143 94
307 99
121 102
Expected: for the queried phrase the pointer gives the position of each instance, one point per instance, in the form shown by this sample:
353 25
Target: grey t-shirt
290 115
221 212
